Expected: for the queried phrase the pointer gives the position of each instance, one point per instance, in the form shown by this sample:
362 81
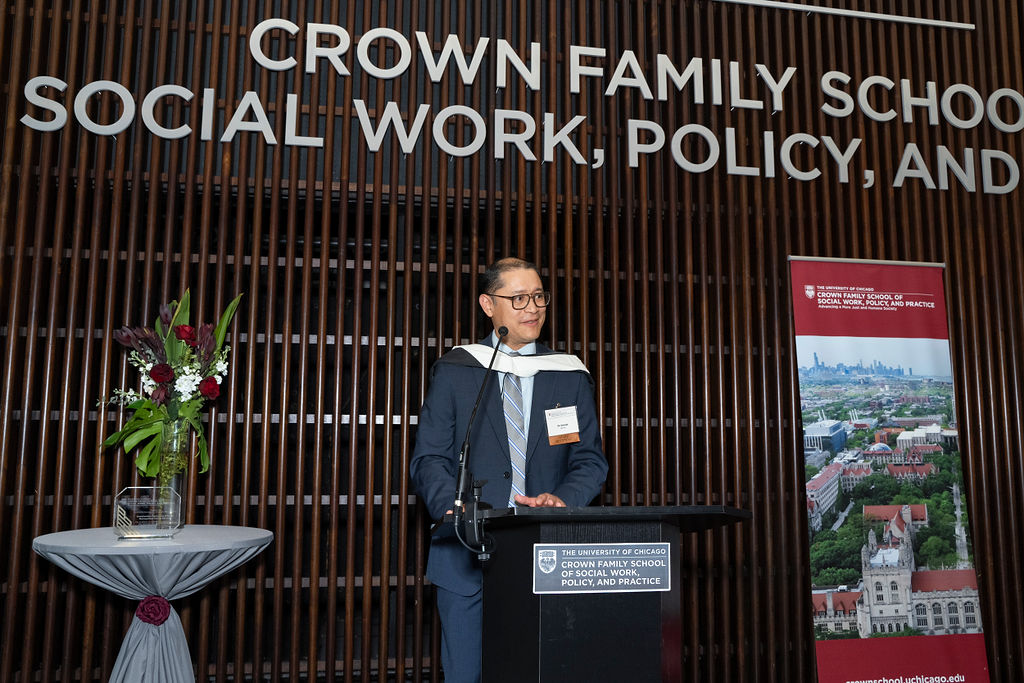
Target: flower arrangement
182 368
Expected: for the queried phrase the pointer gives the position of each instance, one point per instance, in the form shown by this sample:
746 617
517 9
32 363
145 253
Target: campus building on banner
836 610
896 597
825 435
822 493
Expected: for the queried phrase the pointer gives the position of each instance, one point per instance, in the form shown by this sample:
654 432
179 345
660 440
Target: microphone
476 540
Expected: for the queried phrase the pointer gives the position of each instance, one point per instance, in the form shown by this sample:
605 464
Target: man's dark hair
490 279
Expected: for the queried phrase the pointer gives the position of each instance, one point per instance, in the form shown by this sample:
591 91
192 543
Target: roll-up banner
893 588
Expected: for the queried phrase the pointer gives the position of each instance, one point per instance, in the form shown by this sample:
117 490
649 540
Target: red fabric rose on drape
153 610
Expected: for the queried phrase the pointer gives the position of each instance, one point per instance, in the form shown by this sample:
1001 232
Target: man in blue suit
556 433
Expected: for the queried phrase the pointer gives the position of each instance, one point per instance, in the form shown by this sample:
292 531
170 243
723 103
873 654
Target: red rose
162 372
186 333
209 388
153 610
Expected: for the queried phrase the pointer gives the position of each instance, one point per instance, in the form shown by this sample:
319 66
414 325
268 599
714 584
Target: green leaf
112 439
139 435
173 346
141 409
222 325
181 311
158 325
148 461
143 417
189 410
204 455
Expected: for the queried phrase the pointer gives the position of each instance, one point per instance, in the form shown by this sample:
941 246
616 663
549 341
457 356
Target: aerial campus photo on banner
892 568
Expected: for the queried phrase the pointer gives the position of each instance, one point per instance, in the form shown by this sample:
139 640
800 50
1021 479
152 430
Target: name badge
563 426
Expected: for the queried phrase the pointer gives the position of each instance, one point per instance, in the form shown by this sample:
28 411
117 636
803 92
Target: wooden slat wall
358 270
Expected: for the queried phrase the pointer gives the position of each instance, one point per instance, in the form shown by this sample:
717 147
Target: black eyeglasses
521 301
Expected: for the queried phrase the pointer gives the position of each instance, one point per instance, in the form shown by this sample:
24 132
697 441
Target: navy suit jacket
573 472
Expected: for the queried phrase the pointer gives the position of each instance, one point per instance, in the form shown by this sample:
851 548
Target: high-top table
153 571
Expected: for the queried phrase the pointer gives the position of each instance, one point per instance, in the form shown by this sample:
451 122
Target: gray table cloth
169 568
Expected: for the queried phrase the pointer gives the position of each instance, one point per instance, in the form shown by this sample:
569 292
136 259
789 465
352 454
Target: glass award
142 512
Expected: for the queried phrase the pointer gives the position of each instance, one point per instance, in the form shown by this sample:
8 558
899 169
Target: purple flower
125 336
159 395
165 315
150 344
205 343
142 339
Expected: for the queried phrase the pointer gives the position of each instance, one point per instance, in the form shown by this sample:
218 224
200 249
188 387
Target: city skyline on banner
924 357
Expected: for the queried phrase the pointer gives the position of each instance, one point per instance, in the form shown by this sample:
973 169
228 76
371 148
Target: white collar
525 366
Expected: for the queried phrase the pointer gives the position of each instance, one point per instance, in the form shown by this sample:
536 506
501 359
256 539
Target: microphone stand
465 513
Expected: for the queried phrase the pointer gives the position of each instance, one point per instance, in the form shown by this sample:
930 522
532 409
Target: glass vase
170 480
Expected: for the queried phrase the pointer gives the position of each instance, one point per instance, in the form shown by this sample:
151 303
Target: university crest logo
547 560
809 291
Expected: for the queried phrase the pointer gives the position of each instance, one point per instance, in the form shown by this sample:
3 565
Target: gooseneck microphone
468 527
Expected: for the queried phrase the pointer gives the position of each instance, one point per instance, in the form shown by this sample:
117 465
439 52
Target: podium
569 596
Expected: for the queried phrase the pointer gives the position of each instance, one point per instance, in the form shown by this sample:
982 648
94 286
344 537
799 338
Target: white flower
221 368
187 384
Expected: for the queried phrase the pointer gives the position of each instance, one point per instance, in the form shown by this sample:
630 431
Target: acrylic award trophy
142 512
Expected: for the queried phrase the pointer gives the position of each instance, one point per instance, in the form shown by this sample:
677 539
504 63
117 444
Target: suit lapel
496 414
543 388
492 409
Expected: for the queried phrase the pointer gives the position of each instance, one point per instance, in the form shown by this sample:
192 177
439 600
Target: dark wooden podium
595 636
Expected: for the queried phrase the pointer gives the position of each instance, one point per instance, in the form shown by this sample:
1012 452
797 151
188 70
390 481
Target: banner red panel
869 299
916 659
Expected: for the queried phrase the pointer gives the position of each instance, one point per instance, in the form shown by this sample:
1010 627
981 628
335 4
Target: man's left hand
544 500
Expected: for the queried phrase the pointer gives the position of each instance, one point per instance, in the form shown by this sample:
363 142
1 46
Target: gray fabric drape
170 568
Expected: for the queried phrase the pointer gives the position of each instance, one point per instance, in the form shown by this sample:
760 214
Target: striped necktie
515 425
